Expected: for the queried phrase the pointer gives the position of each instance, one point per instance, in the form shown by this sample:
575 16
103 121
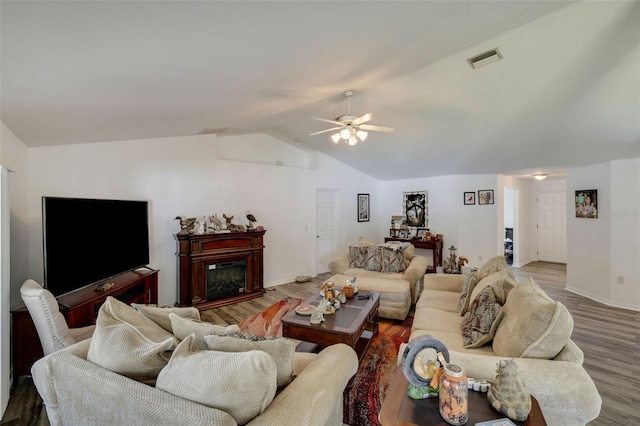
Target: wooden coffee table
400 410
355 323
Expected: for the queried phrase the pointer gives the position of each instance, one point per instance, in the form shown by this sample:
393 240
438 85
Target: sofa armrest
340 264
414 273
563 389
62 379
444 282
316 393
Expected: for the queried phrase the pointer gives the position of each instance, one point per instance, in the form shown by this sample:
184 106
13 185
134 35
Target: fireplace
226 279
219 269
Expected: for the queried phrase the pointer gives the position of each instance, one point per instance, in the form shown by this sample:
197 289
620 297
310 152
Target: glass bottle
454 395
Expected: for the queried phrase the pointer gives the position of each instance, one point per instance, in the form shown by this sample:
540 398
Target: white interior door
552 227
326 229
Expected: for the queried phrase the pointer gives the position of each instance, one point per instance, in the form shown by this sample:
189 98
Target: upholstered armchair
51 325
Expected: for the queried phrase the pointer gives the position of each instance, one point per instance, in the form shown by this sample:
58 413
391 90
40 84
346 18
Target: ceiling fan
351 128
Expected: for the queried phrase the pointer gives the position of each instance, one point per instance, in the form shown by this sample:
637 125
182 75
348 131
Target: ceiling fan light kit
351 129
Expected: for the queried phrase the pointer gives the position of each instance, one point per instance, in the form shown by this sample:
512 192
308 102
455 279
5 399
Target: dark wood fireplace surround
197 251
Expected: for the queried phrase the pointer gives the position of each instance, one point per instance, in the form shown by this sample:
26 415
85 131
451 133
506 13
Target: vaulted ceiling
566 93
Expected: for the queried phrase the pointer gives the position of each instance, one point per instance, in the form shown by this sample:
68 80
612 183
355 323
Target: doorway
327 225
511 231
552 227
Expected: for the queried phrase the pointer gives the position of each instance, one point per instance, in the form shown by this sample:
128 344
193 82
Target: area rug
363 399
268 322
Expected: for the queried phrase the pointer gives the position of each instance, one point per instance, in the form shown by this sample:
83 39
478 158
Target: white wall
183 176
601 249
472 229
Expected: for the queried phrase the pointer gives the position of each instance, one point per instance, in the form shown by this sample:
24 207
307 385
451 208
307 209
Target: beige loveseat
76 391
531 328
392 285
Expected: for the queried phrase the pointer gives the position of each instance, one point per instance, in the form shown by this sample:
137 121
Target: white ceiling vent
484 58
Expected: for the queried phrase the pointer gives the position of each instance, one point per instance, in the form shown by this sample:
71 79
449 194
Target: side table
400 410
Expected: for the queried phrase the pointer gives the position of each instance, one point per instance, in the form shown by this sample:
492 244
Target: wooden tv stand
80 308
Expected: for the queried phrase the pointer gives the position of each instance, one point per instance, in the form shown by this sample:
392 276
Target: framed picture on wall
469 198
363 207
415 206
586 203
485 196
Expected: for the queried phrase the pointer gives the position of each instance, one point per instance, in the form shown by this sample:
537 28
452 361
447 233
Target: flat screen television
87 241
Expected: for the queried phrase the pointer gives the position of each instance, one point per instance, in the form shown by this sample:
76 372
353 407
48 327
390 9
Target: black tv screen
88 240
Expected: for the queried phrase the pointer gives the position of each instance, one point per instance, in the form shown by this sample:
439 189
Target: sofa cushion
408 252
453 341
438 299
495 264
435 319
161 315
128 343
183 327
502 282
241 384
374 259
480 322
281 350
470 282
534 325
393 260
358 256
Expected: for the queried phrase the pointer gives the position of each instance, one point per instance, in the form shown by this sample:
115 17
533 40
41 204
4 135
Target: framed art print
469 198
363 207
415 206
586 203
485 196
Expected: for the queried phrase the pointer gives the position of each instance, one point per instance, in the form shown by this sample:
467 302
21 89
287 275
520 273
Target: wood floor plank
609 337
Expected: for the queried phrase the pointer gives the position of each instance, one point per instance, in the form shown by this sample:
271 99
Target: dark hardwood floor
609 337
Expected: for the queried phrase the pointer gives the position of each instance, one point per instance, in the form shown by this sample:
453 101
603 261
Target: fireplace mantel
197 252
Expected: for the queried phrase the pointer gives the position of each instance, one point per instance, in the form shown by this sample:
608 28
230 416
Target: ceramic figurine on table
317 316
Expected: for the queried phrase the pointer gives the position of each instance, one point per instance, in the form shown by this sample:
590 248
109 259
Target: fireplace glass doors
226 279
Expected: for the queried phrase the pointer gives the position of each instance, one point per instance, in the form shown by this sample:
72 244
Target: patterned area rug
369 387
268 322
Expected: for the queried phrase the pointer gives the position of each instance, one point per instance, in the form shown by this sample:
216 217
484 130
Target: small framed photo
363 207
586 203
421 232
469 198
393 233
485 196
404 233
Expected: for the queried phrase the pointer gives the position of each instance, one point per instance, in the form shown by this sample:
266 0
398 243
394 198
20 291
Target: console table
79 308
434 246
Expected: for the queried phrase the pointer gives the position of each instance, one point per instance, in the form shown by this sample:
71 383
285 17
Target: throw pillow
491 266
374 259
534 325
502 282
240 384
128 343
480 322
358 256
281 350
470 282
393 260
161 315
183 327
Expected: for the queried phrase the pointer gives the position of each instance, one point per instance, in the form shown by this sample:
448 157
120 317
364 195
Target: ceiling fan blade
363 119
377 128
328 121
325 131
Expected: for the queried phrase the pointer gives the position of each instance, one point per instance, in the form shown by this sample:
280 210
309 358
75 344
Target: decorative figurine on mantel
252 221
450 265
232 227
216 223
187 224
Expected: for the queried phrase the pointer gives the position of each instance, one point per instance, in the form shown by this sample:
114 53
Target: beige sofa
391 285
76 391
533 330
